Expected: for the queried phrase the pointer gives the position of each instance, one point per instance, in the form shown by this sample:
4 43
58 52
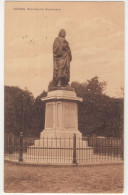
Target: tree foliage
23 112
93 86
38 116
18 110
98 114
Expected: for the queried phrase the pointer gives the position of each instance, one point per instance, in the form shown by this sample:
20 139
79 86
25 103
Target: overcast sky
95 32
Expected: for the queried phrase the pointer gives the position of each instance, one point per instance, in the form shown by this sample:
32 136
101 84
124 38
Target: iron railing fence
108 146
63 150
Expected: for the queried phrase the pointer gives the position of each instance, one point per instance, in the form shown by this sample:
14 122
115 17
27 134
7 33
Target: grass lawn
63 179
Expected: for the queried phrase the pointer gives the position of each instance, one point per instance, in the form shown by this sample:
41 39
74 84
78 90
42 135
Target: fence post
74 149
21 147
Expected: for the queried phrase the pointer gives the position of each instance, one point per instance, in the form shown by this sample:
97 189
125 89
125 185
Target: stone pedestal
61 115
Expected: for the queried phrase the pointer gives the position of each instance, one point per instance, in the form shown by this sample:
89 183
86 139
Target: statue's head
62 33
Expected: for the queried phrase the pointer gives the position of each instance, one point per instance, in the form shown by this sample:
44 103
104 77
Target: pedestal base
60 143
52 133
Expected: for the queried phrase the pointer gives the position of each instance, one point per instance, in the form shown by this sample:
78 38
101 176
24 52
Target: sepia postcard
64 96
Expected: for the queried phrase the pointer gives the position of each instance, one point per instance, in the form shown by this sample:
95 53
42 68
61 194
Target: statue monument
61 110
61 60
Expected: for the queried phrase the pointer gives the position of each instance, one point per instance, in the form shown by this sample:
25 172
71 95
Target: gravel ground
63 179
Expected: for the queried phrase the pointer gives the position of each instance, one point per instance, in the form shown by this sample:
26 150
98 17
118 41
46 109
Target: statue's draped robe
61 61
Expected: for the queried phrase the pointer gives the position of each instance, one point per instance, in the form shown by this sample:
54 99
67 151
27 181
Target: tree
23 112
18 110
43 94
98 114
39 113
93 86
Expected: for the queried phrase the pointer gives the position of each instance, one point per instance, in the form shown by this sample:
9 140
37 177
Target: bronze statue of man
61 60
